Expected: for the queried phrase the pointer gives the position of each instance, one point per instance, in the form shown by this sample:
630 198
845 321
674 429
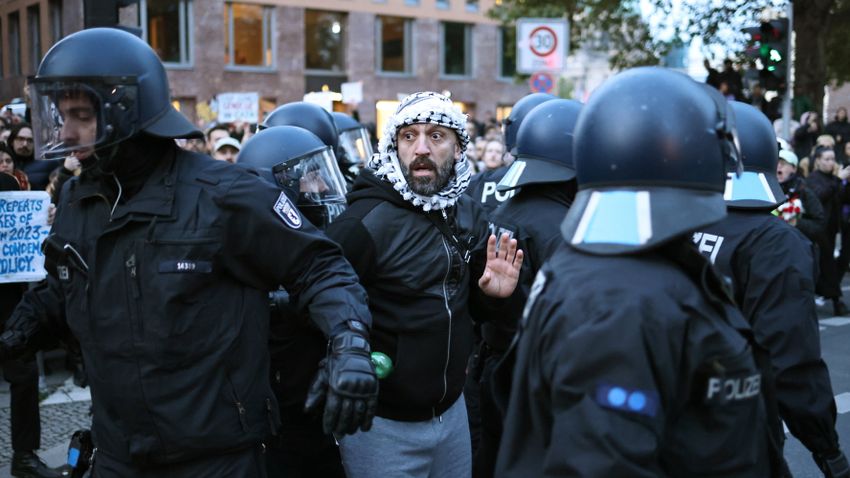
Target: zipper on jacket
135 292
270 414
243 419
449 311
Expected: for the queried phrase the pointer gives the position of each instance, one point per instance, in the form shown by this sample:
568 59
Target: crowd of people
543 298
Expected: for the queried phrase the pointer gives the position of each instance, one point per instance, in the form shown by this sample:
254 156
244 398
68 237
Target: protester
226 149
839 128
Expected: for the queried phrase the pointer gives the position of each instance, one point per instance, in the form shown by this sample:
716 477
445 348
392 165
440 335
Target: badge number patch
287 211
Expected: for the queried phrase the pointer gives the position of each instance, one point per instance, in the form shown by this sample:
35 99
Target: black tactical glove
833 465
12 345
346 382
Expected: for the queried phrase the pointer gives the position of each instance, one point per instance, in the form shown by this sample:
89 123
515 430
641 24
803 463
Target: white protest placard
352 92
325 99
234 107
23 227
541 44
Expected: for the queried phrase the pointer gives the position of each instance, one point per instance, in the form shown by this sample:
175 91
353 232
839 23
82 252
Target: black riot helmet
98 87
652 148
757 187
512 123
309 116
544 146
302 165
353 141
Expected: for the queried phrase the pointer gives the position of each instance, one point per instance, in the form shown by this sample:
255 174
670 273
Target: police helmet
544 146
107 81
757 187
354 142
309 116
521 108
298 162
652 149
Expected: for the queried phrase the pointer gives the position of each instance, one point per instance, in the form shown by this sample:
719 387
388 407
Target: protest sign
23 227
234 107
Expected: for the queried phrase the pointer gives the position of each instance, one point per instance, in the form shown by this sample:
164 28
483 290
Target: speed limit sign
541 44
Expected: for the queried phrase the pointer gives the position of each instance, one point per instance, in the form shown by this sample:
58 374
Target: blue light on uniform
617 396
628 400
637 400
73 457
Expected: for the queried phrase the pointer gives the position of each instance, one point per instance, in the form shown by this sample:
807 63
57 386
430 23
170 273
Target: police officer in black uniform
354 141
482 187
631 359
163 263
545 172
772 269
297 161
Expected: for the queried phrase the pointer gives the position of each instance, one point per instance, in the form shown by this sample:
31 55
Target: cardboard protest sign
23 227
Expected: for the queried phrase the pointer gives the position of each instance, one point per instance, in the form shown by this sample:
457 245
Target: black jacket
812 222
533 217
169 301
419 287
482 188
772 268
619 370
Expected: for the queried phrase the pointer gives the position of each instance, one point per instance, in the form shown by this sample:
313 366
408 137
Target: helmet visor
357 146
77 116
316 177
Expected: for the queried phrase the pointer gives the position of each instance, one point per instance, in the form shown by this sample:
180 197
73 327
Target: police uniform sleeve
269 243
37 319
586 394
778 300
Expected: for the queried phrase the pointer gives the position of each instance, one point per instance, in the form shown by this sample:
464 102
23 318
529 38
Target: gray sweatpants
435 448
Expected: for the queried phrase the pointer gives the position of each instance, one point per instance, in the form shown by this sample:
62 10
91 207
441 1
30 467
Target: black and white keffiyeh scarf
423 107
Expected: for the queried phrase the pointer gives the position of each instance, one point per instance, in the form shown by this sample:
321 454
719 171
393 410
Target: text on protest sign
23 227
234 107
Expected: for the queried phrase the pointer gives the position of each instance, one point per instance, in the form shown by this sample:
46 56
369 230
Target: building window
411 3
34 31
456 51
507 52
167 27
471 5
394 48
55 20
248 35
14 44
324 45
443 4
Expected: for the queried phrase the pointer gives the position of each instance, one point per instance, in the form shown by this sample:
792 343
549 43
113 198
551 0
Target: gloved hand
833 465
346 383
12 345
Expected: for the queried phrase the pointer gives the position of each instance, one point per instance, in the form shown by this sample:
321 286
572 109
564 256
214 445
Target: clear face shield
357 146
320 185
76 116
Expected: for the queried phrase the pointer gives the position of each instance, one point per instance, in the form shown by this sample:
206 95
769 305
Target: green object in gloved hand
383 364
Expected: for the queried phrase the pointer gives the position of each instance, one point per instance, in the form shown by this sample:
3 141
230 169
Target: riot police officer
297 161
631 359
482 187
163 263
354 142
772 269
545 172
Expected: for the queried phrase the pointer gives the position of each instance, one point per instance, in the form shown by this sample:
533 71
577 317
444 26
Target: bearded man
423 253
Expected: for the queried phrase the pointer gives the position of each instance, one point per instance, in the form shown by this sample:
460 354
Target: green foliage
837 41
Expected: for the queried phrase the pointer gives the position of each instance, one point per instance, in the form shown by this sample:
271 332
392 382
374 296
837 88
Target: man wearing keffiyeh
423 252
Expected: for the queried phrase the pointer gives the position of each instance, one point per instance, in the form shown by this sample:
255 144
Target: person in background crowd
629 336
802 208
215 133
196 145
37 171
70 167
226 149
421 250
493 154
22 375
7 165
839 128
771 267
806 135
832 195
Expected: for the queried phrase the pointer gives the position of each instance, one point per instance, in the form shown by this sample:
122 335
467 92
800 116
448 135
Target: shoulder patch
287 211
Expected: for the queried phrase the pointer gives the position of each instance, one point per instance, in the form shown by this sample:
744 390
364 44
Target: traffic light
769 47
